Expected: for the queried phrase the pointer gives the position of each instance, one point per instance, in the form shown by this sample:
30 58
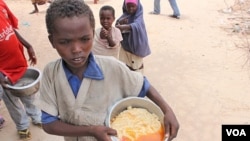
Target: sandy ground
198 64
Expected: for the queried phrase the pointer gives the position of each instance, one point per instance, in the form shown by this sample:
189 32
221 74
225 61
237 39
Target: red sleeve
12 18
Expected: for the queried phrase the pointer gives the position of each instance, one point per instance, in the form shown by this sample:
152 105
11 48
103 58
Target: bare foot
34 11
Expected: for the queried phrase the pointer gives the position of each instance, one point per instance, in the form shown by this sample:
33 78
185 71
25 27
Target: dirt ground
199 63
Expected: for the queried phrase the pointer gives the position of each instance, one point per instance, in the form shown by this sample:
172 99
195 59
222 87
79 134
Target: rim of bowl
156 107
31 84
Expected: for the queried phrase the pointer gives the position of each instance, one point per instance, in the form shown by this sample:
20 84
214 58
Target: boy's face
106 18
131 8
73 39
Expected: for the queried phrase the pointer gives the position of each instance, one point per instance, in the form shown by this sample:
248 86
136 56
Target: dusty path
194 64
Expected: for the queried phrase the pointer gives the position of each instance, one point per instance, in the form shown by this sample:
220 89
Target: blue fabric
74 81
47 118
175 8
92 72
135 41
145 88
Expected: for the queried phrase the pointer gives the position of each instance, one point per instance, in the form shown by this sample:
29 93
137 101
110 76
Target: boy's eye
64 41
107 18
85 39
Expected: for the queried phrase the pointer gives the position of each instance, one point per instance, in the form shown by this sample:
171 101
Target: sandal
24 134
38 124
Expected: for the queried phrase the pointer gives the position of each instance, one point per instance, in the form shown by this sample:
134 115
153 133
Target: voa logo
236 132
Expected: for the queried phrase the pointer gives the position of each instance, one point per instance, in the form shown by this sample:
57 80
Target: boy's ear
51 40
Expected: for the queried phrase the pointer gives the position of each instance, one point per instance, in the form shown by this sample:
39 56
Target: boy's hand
171 126
123 21
104 34
103 133
121 27
32 56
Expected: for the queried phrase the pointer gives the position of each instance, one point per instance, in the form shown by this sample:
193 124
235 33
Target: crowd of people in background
87 55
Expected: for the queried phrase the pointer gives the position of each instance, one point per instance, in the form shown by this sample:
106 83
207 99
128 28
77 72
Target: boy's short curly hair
67 8
107 7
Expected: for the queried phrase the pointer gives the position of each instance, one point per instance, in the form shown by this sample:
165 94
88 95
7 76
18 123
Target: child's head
71 25
67 9
107 16
131 6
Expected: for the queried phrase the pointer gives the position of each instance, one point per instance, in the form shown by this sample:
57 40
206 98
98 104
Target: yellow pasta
135 122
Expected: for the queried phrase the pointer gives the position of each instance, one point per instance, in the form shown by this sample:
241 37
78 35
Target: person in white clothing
107 38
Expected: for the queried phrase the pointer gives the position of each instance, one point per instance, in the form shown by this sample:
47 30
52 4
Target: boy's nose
77 47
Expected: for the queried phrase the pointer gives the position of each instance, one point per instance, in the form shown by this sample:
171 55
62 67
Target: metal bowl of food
134 103
28 84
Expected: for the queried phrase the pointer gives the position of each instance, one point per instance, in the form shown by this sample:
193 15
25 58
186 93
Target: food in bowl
28 84
137 124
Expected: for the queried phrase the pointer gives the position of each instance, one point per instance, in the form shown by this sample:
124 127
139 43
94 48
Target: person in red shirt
13 65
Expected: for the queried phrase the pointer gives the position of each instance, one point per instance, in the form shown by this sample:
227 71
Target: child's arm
123 27
22 40
170 120
123 20
101 133
27 45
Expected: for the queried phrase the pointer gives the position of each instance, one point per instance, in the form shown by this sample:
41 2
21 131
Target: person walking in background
78 89
107 38
13 66
35 3
157 8
135 44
